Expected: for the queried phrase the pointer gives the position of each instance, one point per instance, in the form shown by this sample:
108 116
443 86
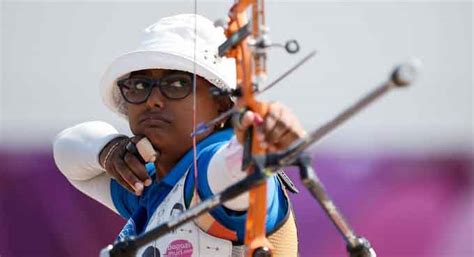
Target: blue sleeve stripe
125 202
277 205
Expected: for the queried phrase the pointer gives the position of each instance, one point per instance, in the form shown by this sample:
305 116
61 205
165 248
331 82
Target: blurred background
401 171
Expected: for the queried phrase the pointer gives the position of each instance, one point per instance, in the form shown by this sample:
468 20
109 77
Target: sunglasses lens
135 90
176 86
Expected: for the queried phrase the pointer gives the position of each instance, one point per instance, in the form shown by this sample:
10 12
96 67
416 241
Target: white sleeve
224 170
76 153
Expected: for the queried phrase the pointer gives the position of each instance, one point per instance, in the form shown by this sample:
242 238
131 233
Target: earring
220 125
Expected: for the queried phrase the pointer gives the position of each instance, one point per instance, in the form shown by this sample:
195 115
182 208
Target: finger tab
146 150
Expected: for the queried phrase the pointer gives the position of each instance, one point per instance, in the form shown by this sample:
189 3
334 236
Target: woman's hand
126 168
276 131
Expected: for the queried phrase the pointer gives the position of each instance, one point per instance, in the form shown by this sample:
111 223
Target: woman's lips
154 123
154 120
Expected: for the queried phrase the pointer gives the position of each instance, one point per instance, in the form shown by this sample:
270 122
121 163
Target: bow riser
250 65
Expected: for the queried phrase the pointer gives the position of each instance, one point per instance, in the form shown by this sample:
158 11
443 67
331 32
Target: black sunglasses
137 89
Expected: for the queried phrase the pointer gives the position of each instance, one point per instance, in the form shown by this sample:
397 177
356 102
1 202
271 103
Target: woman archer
152 87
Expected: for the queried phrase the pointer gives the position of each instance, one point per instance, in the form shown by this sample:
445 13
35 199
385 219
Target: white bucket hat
170 44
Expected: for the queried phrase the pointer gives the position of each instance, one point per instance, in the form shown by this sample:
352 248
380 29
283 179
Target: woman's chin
157 136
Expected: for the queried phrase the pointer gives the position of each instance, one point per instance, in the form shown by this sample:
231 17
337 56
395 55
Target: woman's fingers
250 118
129 176
274 125
247 119
110 166
287 130
278 130
137 167
120 180
126 168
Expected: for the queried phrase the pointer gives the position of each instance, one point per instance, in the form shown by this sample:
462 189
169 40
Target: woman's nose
156 99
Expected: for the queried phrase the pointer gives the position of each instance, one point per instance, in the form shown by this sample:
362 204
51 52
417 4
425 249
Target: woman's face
168 123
